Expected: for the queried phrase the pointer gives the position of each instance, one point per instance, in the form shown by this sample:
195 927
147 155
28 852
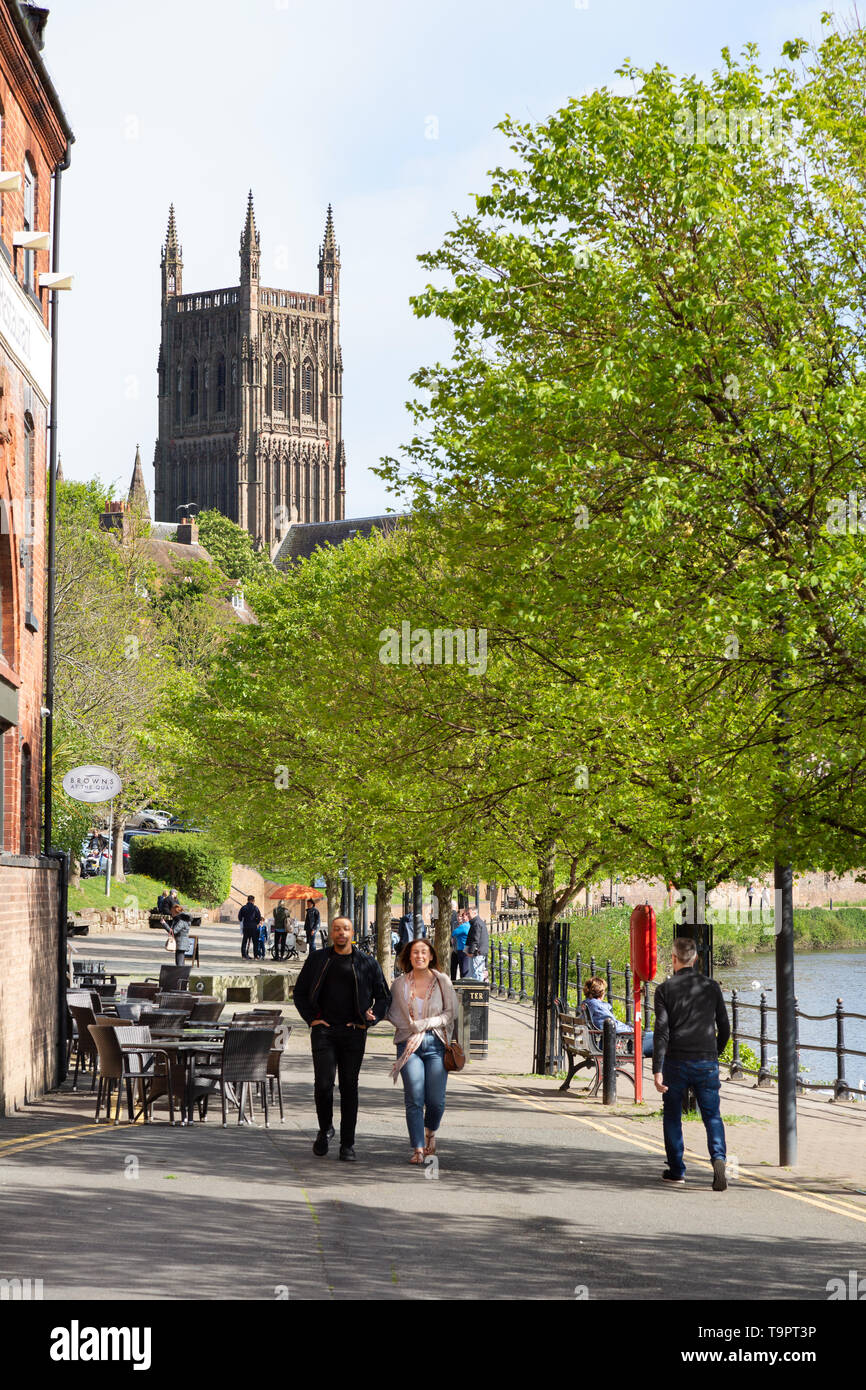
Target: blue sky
387 109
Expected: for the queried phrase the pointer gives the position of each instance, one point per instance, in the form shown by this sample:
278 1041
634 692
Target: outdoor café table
186 1050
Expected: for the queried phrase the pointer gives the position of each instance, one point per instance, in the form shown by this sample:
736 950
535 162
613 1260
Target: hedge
190 863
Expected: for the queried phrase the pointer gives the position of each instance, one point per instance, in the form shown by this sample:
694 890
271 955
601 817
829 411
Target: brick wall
29 903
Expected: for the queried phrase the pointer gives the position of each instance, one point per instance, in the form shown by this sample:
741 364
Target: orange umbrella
292 892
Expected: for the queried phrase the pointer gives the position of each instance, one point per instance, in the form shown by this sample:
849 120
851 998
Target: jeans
703 1077
250 937
180 955
337 1051
424 1081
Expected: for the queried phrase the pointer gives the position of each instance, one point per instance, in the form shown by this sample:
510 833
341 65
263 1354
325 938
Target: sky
387 109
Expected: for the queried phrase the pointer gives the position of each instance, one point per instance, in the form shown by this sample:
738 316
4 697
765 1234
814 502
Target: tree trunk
332 895
442 925
384 886
544 901
117 852
493 891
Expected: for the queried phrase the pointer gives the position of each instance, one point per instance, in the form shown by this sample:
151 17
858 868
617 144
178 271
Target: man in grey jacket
691 1032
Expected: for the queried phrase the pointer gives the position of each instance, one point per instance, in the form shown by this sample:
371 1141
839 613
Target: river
820 978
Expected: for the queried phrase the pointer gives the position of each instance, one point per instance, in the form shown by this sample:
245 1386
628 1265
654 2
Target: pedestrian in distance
311 924
178 925
691 1031
340 993
477 946
249 918
264 928
459 933
281 927
423 1009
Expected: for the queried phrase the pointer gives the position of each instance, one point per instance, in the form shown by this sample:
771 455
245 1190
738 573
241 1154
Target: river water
820 978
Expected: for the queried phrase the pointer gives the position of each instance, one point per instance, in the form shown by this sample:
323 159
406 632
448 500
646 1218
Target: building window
307 387
221 386
29 222
192 395
178 394
204 389
25 799
172 283
280 387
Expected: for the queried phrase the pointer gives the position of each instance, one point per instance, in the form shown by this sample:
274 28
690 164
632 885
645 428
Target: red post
642 943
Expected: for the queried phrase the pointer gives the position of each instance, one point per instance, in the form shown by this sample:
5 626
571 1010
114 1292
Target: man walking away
477 946
691 1031
311 924
249 918
340 993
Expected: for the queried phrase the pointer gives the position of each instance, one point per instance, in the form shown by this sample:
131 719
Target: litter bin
473 1012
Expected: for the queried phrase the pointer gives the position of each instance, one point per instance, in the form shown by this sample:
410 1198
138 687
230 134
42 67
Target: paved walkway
537 1195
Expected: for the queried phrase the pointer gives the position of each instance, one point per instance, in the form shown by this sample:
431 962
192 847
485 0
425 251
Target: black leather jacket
371 992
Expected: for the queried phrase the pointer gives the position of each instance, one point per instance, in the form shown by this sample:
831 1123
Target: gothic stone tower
251 395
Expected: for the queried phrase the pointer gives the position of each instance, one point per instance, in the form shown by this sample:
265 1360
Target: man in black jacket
691 1031
477 946
340 993
311 924
249 918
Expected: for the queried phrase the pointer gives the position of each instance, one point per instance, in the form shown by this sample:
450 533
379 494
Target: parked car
149 819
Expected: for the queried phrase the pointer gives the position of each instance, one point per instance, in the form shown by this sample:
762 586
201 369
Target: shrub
190 863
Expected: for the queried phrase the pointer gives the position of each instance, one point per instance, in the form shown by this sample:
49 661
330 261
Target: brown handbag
455 1057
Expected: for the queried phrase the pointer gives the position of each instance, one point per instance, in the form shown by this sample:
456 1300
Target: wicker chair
142 989
206 1009
151 1067
174 977
177 999
243 1065
275 1061
83 1017
163 1020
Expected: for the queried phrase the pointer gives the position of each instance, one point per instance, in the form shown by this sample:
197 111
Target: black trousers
250 938
337 1051
280 943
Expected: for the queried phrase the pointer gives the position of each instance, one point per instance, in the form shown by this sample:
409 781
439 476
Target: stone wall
29 984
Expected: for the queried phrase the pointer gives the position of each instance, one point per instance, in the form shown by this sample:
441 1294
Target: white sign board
23 332
92 783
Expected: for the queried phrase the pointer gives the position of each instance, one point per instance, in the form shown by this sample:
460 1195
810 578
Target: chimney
36 18
115 517
187 530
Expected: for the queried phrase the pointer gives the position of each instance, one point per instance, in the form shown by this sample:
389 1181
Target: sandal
417 1156
430 1136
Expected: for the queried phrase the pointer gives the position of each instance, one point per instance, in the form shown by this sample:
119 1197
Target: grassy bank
815 929
136 891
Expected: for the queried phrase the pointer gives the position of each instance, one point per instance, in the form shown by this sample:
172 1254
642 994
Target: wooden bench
581 1041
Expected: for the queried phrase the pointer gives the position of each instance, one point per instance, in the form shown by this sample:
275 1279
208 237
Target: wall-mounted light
55 281
32 241
9 182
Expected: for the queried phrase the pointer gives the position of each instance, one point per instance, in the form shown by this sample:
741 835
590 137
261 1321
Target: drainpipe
48 747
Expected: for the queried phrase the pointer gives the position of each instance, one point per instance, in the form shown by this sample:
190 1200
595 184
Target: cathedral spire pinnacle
329 258
250 236
250 244
137 490
172 245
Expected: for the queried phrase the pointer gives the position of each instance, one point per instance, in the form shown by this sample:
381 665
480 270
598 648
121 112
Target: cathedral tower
251 395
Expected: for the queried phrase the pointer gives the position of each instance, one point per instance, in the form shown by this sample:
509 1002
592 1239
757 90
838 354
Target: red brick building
34 141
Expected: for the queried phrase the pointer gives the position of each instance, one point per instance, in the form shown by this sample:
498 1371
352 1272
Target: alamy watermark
448 646
732 907
718 125
847 515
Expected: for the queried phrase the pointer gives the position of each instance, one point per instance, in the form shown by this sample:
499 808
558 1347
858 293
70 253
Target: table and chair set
168 1043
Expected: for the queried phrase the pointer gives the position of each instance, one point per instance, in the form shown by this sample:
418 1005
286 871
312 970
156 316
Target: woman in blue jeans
423 1007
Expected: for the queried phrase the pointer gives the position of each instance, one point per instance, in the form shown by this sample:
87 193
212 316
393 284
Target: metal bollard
764 1077
608 1062
841 1089
627 977
736 1069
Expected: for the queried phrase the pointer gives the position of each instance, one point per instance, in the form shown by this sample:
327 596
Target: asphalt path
528 1200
